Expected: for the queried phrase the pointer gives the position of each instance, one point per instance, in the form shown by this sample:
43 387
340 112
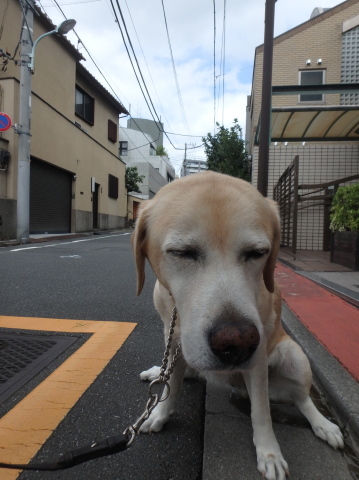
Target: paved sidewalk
334 322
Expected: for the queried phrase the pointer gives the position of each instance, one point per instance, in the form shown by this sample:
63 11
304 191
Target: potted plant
345 227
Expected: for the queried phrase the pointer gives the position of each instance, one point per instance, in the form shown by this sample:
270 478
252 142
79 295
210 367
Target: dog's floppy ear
268 272
138 241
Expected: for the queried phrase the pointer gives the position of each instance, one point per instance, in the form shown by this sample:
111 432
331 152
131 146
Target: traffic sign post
5 122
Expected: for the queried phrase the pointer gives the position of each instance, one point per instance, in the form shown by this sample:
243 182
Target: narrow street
94 279
84 289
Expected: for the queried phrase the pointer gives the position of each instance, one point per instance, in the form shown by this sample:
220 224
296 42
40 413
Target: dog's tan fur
212 241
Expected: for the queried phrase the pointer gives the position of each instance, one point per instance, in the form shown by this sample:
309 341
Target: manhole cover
22 356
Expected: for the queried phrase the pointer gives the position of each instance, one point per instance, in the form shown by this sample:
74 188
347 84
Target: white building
138 149
193 166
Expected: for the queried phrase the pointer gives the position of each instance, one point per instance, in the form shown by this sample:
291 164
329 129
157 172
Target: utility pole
266 104
23 128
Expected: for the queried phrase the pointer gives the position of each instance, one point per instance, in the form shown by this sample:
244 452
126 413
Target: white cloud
191 30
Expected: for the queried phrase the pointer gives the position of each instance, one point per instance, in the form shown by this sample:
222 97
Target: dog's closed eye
255 254
185 253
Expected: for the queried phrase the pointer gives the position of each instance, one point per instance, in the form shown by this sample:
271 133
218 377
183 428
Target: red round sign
5 122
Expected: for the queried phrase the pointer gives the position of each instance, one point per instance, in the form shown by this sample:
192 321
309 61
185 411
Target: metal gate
50 198
294 198
285 193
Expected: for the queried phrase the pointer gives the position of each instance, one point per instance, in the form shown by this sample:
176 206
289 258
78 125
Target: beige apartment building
321 128
77 180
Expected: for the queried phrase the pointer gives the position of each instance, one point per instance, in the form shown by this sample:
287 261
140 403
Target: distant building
150 127
193 166
138 149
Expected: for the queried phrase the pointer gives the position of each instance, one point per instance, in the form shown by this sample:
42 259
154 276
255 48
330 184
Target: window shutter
112 131
112 186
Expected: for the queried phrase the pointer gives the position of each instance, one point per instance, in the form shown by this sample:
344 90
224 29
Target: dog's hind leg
290 378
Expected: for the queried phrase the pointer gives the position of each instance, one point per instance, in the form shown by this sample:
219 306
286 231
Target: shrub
345 209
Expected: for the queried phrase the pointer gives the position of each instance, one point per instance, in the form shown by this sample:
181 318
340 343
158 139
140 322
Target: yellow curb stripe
29 424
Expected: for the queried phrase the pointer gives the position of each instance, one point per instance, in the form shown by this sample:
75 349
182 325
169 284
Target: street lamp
64 27
23 127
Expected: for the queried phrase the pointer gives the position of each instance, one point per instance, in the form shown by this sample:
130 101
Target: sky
212 53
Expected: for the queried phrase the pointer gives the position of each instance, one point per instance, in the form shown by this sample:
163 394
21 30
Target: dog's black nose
234 344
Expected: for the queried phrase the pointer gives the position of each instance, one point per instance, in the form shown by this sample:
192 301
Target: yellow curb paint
29 424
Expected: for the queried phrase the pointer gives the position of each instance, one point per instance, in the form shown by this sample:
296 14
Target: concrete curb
337 384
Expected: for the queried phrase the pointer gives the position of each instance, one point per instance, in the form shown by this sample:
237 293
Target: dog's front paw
329 432
150 374
156 420
271 464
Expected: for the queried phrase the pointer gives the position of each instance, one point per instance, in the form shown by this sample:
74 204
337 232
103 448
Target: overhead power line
223 62
152 110
148 69
110 86
184 118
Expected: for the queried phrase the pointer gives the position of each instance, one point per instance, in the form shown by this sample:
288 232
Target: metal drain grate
22 356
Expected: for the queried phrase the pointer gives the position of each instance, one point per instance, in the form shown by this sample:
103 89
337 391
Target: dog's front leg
270 461
162 412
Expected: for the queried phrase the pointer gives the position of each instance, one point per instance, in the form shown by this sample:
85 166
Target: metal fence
305 208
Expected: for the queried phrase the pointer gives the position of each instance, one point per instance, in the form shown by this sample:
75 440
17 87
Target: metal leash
163 379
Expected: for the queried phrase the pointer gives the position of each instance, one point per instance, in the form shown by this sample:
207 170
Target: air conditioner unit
4 159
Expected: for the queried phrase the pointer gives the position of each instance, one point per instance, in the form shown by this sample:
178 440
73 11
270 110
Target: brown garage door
50 198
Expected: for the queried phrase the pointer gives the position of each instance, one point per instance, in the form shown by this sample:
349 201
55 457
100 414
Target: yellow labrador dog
212 241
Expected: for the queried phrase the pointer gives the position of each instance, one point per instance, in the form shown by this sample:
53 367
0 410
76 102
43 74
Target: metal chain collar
163 378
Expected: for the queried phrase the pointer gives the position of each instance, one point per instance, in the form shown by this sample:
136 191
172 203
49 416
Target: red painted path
334 322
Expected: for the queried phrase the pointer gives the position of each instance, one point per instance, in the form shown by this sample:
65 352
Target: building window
112 186
311 77
123 149
84 105
350 70
112 131
152 150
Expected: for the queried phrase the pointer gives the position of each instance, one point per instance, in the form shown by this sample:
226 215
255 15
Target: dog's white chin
208 362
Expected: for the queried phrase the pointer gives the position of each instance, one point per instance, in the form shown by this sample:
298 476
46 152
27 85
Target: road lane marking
21 249
25 428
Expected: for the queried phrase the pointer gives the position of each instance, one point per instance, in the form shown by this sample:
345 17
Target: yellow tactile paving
27 426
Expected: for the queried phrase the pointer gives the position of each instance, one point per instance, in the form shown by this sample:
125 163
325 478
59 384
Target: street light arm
63 28
32 54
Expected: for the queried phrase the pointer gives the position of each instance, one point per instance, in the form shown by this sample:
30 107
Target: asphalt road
94 279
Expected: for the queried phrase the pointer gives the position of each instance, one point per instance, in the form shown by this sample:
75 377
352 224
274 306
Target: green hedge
345 209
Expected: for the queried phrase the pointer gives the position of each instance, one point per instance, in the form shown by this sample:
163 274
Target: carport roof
320 123
314 123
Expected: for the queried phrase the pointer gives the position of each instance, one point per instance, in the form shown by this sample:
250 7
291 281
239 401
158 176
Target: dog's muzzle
232 344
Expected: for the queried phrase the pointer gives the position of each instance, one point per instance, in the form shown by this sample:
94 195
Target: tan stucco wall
70 148
86 152
103 113
9 104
